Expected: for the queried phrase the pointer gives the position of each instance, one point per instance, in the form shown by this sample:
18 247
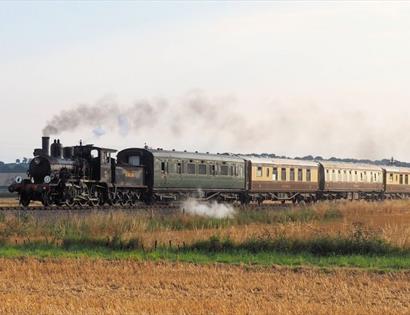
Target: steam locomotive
83 174
89 175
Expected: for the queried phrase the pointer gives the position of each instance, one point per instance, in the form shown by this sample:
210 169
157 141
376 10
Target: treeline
17 167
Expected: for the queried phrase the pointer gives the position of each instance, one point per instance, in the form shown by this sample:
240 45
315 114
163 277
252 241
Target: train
90 175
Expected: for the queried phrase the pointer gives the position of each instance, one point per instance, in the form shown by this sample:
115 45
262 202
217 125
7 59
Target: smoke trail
192 114
290 127
213 209
80 116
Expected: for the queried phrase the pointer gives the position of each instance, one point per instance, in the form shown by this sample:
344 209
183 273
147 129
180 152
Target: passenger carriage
397 181
351 180
282 179
176 175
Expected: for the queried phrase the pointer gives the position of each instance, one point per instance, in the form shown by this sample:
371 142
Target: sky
291 78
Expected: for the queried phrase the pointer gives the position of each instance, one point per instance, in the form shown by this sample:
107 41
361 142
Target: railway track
149 208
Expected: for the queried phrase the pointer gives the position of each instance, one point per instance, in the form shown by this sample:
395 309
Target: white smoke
209 209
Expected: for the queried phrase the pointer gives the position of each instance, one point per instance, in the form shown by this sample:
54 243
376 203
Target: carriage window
308 175
191 168
224 170
283 174
162 167
401 179
259 171
292 174
231 173
213 170
179 168
275 174
300 177
406 179
267 171
202 169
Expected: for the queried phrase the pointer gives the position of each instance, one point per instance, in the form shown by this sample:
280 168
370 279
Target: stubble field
327 258
81 286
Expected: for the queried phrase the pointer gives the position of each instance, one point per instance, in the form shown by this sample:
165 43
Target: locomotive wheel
24 201
123 198
84 197
94 196
45 199
112 198
69 196
134 199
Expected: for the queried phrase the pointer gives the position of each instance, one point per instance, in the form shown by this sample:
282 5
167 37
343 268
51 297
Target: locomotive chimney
45 145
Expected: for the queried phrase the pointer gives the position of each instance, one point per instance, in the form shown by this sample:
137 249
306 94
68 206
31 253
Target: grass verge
238 255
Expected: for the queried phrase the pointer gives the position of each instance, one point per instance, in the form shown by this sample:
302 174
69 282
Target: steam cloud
213 209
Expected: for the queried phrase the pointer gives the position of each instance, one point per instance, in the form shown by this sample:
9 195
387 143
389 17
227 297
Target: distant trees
20 166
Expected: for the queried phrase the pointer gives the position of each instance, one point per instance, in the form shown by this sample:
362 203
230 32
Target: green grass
393 262
390 261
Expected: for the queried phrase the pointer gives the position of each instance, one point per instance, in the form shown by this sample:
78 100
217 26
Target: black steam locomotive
83 174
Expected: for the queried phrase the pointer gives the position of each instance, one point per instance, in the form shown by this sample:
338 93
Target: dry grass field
124 287
389 220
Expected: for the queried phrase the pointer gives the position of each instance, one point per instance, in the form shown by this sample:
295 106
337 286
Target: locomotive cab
101 165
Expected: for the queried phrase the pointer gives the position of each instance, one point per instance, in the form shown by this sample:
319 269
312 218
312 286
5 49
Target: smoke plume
212 210
192 114
286 127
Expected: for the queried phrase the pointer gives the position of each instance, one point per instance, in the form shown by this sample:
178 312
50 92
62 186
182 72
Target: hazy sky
328 79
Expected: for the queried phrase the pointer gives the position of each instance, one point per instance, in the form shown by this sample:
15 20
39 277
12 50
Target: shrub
322 246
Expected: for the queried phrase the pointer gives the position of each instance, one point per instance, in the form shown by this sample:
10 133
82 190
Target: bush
114 243
323 246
